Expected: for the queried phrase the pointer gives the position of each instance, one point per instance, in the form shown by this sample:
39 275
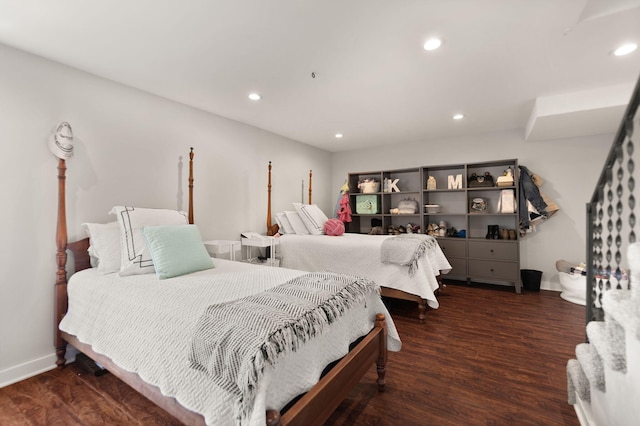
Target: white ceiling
373 81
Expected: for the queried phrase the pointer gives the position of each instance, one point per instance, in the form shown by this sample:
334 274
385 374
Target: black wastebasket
531 279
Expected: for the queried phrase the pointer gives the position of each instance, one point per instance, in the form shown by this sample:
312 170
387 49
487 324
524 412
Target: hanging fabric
344 212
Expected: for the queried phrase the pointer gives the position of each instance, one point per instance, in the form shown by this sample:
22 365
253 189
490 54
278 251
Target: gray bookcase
473 256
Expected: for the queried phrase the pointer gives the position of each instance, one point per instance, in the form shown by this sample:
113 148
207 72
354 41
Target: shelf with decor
502 219
462 205
472 203
373 196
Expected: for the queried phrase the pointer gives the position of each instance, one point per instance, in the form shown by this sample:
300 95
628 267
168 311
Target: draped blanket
234 341
406 249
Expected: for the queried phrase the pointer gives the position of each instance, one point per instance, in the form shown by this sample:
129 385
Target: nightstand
222 246
263 241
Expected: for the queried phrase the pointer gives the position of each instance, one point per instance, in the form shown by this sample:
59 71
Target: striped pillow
312 217
135 257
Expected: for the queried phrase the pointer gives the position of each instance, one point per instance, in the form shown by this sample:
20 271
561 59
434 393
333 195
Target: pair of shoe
376 230
495 233
396 230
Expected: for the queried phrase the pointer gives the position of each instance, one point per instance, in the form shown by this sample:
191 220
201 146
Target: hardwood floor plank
38 404
486 357
10 415
124 398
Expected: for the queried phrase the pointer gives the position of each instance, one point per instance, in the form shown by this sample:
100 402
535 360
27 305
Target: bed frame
314 407
384 291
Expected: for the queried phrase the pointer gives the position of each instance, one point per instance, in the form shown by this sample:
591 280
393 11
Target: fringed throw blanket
406 249
234 341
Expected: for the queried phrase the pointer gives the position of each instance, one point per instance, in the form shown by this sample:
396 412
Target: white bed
303 244
359 254
145 326
141 325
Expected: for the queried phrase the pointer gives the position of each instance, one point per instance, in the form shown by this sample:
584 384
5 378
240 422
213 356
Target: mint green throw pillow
176 250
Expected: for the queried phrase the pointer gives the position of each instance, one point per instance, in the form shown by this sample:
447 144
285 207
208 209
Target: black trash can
531 279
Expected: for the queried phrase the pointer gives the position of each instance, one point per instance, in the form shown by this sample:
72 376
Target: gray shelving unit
473 257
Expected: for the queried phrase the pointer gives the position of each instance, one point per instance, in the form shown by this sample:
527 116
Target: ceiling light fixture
432 44
458 116
338 135
255 97
625 49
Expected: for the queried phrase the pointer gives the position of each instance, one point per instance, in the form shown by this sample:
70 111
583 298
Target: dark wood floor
487 356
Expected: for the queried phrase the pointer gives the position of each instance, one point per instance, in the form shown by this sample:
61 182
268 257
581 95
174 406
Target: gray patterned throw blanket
406 249
234 341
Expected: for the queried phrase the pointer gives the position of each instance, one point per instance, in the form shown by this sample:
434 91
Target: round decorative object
61 142
478 205
334 227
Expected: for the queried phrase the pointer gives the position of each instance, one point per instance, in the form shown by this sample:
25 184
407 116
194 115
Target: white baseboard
550 285
583 412
34 367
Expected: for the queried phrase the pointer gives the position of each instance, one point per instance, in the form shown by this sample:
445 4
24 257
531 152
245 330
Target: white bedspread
145 325
358 254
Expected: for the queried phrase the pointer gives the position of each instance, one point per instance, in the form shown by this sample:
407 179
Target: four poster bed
132 325
360 255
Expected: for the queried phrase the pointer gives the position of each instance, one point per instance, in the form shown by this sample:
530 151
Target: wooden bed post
271 229
310 186
61 257
381 363
191 186
269 200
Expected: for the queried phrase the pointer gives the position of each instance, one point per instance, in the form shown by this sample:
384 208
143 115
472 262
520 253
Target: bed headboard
272 229
79 250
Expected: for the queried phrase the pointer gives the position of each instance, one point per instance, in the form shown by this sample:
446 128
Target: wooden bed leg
60 309
381 363
273 418
422 310
441 285
60 353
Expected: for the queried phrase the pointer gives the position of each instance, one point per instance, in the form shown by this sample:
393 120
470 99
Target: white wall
569 167
131 148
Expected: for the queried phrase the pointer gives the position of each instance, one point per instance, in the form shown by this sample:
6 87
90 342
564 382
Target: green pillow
176 250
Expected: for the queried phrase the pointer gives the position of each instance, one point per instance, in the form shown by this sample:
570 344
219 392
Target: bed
152 347
359 254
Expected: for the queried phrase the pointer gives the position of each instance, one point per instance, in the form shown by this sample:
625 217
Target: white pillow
312 217
296 223
136 258
104 240
284 224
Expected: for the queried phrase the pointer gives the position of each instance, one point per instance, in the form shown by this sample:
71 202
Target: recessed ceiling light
338 135
432 44
255 97
458 116
625 49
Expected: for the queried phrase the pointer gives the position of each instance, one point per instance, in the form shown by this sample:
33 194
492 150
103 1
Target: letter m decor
454 183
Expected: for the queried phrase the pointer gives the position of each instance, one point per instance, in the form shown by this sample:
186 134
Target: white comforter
358 254
145 325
